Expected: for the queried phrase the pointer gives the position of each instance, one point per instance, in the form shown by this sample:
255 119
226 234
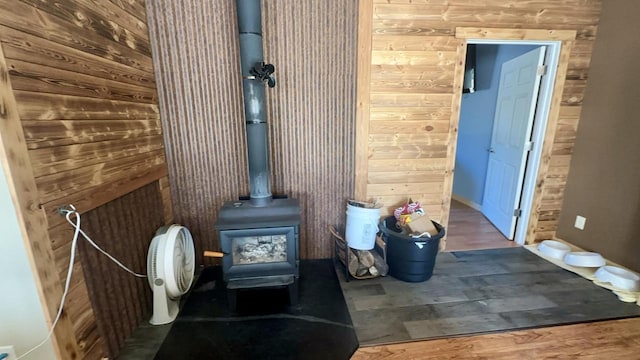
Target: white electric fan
170 268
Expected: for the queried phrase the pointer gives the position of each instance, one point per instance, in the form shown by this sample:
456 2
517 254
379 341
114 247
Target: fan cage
184 258
171 258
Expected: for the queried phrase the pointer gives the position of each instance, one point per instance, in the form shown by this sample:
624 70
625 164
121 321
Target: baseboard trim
467 202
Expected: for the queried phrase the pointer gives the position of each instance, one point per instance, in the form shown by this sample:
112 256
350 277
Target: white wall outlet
580 221
8 350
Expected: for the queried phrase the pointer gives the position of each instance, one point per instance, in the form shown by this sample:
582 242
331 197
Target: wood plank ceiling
81 125
311 113
407 101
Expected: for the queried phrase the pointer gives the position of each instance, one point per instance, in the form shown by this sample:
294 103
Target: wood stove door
259 252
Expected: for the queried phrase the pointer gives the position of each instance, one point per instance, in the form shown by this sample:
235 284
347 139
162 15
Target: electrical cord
77 232
111 257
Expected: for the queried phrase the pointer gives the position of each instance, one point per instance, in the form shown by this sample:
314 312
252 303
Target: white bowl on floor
584 259
619 277
553 249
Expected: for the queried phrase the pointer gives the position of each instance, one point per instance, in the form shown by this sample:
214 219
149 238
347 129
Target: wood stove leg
232 297
293 292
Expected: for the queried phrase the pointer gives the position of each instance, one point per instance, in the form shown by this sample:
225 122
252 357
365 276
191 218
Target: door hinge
528 146
542 70
517 212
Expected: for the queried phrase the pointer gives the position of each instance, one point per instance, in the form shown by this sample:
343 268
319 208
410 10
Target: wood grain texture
46 79
55 133
40 106
592 341
310 111
470 230
363 97
47 161
536 231
20 45
45 25
86 106
511 34
102 18
94 197
61 185
33 225
453 136
167 207
133 7
414 82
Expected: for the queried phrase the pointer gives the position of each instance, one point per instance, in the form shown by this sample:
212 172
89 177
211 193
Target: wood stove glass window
259 249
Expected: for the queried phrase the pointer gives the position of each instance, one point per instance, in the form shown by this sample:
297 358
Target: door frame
559 44
525 163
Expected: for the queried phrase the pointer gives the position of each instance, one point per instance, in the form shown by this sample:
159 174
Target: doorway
474 148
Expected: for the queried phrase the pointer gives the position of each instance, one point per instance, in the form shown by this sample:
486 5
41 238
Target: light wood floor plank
617 339
469 230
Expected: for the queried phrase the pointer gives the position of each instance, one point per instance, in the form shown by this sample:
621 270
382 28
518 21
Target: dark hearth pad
264 326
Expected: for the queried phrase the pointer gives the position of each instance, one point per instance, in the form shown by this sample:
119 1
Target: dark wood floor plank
474 292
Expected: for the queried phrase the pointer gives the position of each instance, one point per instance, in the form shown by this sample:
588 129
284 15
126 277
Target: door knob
490 150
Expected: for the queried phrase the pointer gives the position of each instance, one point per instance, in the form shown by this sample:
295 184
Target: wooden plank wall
311 110
79 98
412 102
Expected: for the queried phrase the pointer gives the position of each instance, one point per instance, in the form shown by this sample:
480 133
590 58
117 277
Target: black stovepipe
254 73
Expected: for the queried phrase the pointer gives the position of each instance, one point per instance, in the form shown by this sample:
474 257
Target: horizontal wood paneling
133 7
414 98
82 78
66 32
493 12
100 195
62 158
40 106
311 114
102 18
54 133
22 186
45 79
19 45
66 183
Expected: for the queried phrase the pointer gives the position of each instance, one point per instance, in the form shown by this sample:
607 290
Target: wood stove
258 236
260 245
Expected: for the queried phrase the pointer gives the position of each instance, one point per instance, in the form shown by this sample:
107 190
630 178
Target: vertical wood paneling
311 114
412 85
363 97
453 136
124 228
85 100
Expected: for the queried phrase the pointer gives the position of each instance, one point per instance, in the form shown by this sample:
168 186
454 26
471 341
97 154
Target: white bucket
362 227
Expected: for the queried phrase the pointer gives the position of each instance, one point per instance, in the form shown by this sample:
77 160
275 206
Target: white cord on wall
76 225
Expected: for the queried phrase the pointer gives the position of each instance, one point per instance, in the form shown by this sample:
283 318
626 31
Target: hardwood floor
470 230
617 339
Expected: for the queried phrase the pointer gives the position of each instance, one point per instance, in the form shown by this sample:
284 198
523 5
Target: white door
515 110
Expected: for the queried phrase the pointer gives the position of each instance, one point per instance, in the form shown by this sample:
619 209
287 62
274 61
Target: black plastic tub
410 259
